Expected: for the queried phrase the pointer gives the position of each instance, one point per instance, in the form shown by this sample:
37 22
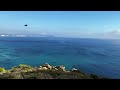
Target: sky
86 24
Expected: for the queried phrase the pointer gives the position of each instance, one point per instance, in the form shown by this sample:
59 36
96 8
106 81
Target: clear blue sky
61 23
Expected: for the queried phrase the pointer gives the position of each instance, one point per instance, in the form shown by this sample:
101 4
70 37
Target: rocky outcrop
43 71
47 66
62 68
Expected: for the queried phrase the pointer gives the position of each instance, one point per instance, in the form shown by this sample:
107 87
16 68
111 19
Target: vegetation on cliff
44 71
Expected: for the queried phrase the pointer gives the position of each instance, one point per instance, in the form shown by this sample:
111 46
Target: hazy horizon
80 24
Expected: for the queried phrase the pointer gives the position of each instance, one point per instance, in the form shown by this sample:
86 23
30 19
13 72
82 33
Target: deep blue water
101 57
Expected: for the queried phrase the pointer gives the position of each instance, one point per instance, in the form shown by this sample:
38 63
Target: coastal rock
67 71
39 68
54 68
61 68
40 73
44 68
35 69
29 70
74 69
47 66
24 71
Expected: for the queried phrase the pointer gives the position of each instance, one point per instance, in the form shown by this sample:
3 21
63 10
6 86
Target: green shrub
25 66
2 70
14 67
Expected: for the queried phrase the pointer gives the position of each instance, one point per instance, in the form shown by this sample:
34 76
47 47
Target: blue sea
93 56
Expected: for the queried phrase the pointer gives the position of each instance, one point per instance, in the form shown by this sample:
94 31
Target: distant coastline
52 36
23 35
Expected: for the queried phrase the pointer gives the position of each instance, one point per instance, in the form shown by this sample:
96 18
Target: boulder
47 66
61 68
44 68
68 71
74 69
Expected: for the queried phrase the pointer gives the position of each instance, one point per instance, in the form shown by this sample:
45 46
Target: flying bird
25 25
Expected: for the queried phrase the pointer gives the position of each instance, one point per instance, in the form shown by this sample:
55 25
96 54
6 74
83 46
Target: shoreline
44 71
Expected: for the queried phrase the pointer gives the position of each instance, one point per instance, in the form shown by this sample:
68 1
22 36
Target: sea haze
96 56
